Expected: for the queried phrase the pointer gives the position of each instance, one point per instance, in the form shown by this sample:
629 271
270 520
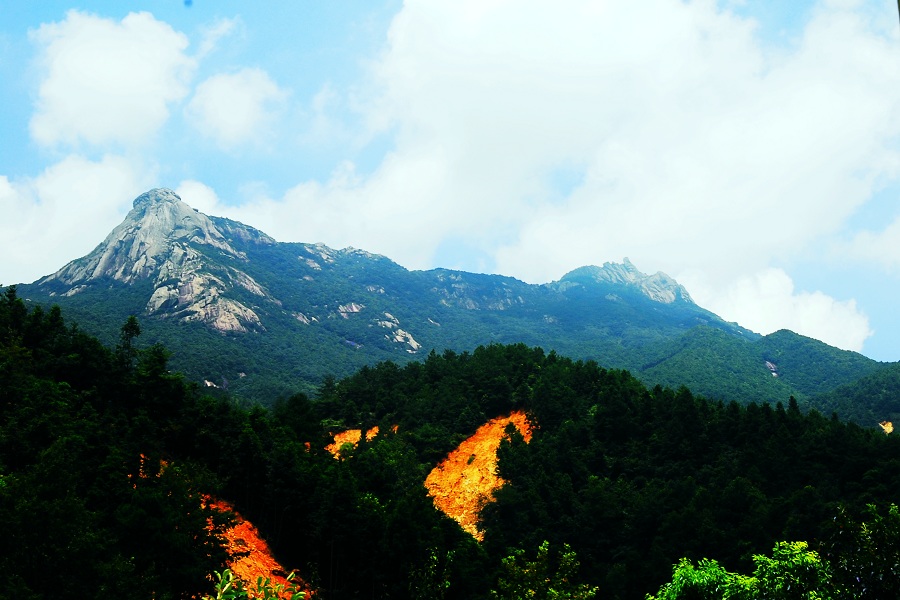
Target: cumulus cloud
585 131
552 136
543 137
767 301
105 81
63 213
200 196
236 108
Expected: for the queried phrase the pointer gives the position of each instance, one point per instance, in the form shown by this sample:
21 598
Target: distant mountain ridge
266 318
658 287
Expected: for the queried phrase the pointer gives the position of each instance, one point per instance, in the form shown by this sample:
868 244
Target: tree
793 572
541 579
125 350
228 587
705 581
865 553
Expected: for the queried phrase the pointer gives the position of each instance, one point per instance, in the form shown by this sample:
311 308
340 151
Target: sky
750 149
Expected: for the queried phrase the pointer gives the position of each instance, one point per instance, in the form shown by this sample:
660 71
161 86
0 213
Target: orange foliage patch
464 481
250 554
351 436
143 472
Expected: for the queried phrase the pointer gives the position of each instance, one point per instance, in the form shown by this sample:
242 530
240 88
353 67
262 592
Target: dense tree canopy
105 455
91 506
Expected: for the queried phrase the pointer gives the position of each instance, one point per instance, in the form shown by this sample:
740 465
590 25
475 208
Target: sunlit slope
250 556
463 482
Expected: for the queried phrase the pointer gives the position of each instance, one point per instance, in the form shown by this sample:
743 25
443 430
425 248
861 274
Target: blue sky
750 149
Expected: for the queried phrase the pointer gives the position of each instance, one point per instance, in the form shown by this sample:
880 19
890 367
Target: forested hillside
263 319
870 400
624 479
87 510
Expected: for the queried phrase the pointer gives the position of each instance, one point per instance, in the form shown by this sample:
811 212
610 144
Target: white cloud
548 136
63 213
767 301
880 247
683 141
105 81
236 108
200 196
212 34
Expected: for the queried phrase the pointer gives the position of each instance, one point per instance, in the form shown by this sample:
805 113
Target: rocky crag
266 318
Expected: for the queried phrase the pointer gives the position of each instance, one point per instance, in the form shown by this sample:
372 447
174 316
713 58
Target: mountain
189 261
108 459
870 400
266 318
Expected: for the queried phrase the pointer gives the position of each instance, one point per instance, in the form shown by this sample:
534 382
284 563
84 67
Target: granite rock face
659 287
179 265
292 313
200 271
164 240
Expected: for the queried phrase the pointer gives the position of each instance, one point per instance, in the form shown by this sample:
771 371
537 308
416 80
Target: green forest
624 490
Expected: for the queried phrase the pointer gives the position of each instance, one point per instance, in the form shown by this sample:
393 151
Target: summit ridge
167 242
659 287
298 312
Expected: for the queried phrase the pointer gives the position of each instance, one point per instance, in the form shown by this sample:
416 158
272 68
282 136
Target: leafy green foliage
860 560
540 579
708 580
792 572
104 454
228 587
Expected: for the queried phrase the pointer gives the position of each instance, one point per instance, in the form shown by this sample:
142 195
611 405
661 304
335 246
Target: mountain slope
264 318
798 360
868 401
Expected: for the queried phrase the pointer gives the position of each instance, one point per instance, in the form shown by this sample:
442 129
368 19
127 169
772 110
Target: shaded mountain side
813 367
263 319
868 401
770 368
717 365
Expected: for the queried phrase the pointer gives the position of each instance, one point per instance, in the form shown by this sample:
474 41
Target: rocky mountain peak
154 240
156 196
659 287
159 220
191 262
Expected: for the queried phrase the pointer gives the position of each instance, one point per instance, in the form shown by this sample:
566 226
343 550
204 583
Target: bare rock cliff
168 242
